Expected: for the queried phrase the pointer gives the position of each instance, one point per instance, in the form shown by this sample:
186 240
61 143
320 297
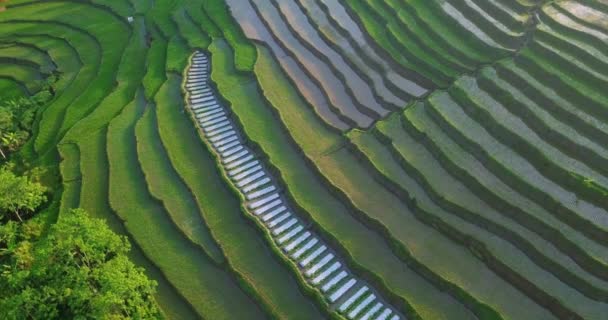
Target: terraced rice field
332 159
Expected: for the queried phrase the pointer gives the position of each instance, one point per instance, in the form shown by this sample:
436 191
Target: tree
6 125
16 120
14 139
79 271
18 194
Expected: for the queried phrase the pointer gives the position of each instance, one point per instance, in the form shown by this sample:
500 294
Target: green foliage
16 243
16 120
19 195
80 270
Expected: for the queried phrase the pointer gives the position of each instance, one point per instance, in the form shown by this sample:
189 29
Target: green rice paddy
484 195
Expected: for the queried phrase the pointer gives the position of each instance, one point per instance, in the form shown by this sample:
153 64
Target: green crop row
111 39
464 42
69 64
31 54
460 165
505 134
155 67
561 136
410 37
374 24
585 54
489 153
54 115
436 209
27 76
165 185
123 8
551 101
194 35
209 289
245 54
324 156
431 32
505 13
487 22
245 253
592 101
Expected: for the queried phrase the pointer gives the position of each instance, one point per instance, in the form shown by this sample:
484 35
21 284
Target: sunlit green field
453 154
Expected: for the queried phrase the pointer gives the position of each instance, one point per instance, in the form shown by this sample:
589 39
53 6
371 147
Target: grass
62 55
520 152
155 67
200 17
160 15
142 6
595 102
322 146
122 7
191 272
194 35
434 215
11 88
30 53
365 63
374 24
69 65
29 77
466 205
92 195
444 188
177 54
89 134
112 38
71 176
89 56
245 53
74 76
245 251
131 68
165 185
542 122
551 101
426 38
495 192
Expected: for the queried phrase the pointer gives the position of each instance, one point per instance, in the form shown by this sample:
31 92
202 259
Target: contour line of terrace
316 262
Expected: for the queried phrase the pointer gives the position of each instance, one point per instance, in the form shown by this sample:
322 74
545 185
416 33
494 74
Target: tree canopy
79 270
19 195
16 119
